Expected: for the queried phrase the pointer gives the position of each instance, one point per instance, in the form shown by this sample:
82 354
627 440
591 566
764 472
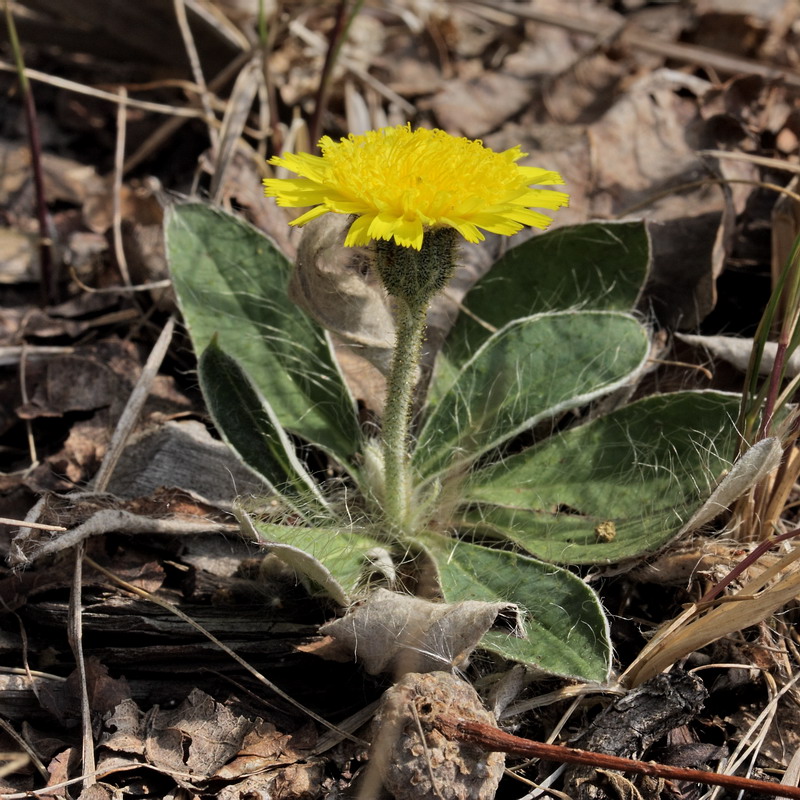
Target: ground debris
414 759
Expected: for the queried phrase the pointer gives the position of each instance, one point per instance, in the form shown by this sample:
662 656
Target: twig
79 88
116 191
134 407
493 739
337 37
197 71
75 636
48 282
762 161
40 526
23 390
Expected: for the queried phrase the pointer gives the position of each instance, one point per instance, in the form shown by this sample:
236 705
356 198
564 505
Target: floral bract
398 182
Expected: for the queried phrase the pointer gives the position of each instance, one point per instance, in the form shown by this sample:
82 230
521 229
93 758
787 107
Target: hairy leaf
565 630
615 488
529 371
231 282
248 424
331 559
596 266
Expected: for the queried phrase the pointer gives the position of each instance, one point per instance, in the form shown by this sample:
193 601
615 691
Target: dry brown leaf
476 106
59 769
198 737
737 351
123 730
391 632
333 284
95 792
104 692
293 782
265 747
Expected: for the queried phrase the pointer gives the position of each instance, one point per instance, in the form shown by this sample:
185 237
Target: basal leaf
248 424
617 487
331 559
566 632
231 282
598 266
529 371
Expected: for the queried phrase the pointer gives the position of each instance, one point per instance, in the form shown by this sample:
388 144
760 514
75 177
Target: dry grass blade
75 637
134 406
236 113
758 730
79 88
700 625
116 195
12 762
210 12
20 759
197 70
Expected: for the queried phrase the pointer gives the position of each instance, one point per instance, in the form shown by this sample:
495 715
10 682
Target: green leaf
333 559
566 630
231 281
529 371
597 266
617 487
248 424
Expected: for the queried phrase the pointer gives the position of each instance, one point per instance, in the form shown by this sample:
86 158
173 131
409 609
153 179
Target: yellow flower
400 182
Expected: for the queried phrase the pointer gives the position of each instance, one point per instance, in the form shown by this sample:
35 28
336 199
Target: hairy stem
410 334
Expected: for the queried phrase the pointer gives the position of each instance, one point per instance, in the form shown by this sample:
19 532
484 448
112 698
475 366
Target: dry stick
116 192
48 282
133 407
746 562
23 390
639 40
90 91
197 71
38 525
75 636
334 45
762 161
493 739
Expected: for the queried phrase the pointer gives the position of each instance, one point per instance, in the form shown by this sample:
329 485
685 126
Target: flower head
399 182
